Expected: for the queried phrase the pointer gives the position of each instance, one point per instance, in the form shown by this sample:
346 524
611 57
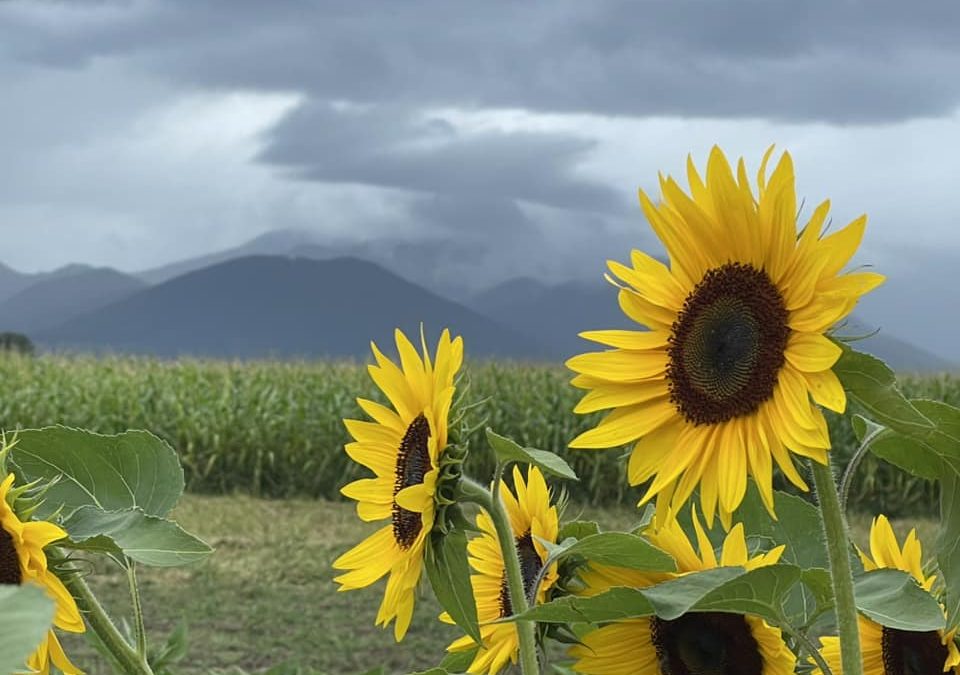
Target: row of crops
274 429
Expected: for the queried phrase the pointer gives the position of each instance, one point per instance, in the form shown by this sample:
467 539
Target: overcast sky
138 132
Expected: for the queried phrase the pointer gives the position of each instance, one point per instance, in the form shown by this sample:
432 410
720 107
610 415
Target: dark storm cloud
398 148
844 61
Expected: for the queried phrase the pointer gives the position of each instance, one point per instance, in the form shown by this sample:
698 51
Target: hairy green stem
853 465
526 630
140 632
96 617
841 574
803 639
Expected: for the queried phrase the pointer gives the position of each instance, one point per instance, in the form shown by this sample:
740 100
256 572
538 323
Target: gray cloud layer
850 61
397 148
136 132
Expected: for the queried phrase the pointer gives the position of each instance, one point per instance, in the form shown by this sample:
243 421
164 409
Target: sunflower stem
804 640
96 617
847 480
526 630
841 574
139 631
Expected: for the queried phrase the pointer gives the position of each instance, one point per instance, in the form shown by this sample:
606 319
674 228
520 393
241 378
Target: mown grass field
267 596
274 429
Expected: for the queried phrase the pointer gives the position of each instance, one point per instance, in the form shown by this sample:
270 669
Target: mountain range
284 295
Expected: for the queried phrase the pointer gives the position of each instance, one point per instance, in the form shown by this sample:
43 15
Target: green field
266 595
274 429
269 436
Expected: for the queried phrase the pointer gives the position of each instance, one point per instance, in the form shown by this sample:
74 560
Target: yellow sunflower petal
826 389
418 498
734 550
371 432
840 246
614 395
373 490
626 424
686 258
628 339
617 365
645 312
382 415
659 289
622 648
650 452
812 352
374 548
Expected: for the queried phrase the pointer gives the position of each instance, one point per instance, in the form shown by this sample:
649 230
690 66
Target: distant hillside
901 355
276 306
12 281
63 295
276 242
420 262
555 314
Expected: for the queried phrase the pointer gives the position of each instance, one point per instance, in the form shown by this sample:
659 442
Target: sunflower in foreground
887 651
719 387
532 518
402 447
22 561
698 642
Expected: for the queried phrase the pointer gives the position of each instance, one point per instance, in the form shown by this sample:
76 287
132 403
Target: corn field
274 429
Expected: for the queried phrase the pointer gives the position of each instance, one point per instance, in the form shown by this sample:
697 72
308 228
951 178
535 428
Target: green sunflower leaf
134 469
146 539
578 529
873 386
620 549
613 605
508 450
726 589
723 589
26 617
449 574
820 586
458 662
892 598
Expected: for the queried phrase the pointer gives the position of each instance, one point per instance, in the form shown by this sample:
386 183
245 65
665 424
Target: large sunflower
533 519
887 651
22 561
402 447
719 387
698 642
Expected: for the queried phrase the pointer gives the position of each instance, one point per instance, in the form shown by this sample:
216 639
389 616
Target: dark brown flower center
530 566
727 345
912 653
708 643
10 574
413 463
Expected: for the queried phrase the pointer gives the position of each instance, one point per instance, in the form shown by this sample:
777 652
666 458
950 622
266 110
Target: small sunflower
695 643
22 561
402 447
533 519
888 651
719 387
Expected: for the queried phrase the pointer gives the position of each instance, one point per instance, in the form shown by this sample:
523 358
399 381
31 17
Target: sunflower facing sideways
533 519
22 561
402 447
720 385
697 643
887 651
